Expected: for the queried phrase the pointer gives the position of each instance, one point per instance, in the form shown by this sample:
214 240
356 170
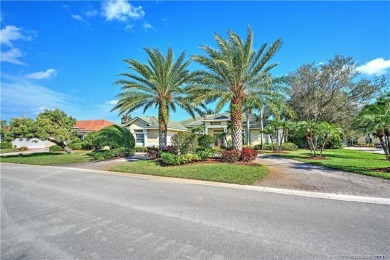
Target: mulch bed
210 161
381 169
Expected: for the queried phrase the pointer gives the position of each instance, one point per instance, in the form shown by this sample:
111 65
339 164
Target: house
145 129
84 127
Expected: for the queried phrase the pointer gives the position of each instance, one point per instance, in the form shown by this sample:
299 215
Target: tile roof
92 125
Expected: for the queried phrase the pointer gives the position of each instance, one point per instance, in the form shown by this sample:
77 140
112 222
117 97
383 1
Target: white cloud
12 56
21 96
78 17
10 33
112 102
49 73
376 67
147 26
129 27
91 13
121 10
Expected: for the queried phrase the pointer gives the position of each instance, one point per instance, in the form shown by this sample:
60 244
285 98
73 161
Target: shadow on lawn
31 155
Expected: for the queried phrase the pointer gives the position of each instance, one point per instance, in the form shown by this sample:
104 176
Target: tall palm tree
159 83
376 118
232 71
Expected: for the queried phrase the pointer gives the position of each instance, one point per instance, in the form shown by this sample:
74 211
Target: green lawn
11 150
218 172
48 158
346 160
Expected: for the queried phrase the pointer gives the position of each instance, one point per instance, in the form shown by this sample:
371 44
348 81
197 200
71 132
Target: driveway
62 213
295 175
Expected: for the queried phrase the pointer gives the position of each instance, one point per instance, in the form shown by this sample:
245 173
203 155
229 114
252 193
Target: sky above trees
67 55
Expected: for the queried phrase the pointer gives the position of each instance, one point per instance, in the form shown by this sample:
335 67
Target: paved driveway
291 174
62 213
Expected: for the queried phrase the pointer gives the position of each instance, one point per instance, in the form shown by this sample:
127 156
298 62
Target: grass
10 150
48 158
218 172
347 160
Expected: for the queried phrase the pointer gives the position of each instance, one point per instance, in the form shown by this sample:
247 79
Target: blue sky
68 54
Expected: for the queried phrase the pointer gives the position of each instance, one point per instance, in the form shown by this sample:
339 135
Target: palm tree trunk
247 115
236 119
162 125
261 128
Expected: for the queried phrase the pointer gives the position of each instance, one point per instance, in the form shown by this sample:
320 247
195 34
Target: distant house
145 129
84 127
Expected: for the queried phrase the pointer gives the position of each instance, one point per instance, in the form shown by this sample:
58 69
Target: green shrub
100 155
187 158
23 148
185 142
230 156
205 141
55 148
174 159
140 149
114 136
289 147
75 146
204 154
335 142
5 145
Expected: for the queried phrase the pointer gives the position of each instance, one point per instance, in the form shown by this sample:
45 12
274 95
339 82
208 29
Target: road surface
60 213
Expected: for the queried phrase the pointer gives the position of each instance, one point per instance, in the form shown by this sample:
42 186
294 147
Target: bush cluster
115 137
205 141
5 145
248 154
152 152
23 148
75 146
55 148
140 149
174 159
185 142
289 147
231 155
204 154
100 155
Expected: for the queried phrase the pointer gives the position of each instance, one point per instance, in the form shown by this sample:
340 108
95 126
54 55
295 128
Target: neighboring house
32 143
84 127
145 130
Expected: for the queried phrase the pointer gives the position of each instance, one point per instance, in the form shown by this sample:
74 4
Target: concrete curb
319 195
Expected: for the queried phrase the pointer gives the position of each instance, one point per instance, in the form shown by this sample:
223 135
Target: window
215 123
139 136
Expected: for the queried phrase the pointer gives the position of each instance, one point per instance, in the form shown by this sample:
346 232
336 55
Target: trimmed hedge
174 159
55 148
5 145
101 155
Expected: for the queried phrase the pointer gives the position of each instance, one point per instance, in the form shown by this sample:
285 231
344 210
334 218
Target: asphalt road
58 213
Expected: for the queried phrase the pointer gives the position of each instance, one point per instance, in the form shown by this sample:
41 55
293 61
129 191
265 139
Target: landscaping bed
209 170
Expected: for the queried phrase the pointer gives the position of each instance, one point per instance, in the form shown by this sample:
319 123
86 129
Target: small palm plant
232 72
159 83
